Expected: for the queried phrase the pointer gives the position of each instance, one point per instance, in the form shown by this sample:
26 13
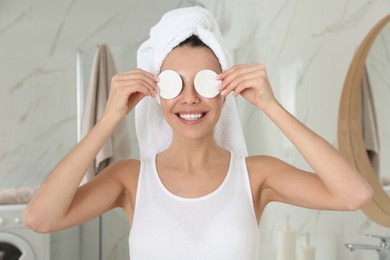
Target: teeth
190 117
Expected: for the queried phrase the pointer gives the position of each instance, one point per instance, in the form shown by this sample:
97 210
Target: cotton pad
170 84
206 83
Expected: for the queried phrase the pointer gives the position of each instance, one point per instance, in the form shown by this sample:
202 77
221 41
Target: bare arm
336 184
339 185
60 202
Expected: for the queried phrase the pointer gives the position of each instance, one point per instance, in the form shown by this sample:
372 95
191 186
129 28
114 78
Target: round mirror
364 125
375 106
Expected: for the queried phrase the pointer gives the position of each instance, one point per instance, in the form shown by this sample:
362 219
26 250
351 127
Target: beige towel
118 146
369 122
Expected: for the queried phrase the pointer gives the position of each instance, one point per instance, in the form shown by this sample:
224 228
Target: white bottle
286 242
306 251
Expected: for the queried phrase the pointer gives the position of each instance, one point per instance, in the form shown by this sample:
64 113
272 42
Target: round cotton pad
206 83
169 83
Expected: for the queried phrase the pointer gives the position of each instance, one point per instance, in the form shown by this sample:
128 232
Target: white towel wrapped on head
175 27
153 133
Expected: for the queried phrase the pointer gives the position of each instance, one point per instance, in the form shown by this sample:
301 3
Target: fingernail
223 92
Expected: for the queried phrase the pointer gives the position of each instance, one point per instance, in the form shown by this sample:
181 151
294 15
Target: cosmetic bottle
286 242
306 251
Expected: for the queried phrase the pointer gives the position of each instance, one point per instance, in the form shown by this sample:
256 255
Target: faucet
383 249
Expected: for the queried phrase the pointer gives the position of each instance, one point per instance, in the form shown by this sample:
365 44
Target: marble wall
306 45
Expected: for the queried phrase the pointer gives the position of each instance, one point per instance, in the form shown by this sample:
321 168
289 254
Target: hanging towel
117 146
369 122
153 132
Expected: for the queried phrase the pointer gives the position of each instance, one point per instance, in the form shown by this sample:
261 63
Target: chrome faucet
383 249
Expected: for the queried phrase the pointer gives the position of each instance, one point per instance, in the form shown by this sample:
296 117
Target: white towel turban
153 132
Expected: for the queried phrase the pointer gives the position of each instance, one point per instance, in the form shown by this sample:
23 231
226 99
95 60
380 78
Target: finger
136 98
226 76
243 85
236 71
138 74
240 67
223 74
151 86
127 94
143 87
237 81
135 84
150 75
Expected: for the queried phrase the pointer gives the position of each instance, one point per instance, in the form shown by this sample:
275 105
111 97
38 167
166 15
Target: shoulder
261 163
127 170
261 166
127 164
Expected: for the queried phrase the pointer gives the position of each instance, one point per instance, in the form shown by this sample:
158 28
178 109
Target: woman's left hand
250 81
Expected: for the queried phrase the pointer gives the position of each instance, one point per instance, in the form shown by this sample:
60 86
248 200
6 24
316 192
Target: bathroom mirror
363 122
378 82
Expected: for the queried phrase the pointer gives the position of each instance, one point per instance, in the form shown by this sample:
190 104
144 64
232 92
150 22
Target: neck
193 153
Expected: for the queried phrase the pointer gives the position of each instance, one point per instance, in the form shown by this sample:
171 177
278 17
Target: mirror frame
350 135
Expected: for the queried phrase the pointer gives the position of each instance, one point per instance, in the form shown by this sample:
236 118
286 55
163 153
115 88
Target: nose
189 94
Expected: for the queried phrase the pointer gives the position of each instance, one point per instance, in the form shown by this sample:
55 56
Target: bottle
286 242
306 251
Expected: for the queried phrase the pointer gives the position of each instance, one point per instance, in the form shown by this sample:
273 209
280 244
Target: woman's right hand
127 89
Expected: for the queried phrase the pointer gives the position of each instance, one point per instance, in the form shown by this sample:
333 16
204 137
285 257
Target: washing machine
17 242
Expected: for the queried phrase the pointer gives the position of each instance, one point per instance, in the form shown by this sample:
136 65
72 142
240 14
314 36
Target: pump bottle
306 251
286 242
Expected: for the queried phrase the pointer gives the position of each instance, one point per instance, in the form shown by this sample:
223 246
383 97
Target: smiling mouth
191 117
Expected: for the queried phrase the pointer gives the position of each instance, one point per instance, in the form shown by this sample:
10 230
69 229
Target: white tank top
220 225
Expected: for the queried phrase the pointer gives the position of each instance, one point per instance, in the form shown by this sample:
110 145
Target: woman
194 198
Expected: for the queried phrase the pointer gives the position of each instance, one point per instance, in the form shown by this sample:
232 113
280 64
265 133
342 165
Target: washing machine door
13 247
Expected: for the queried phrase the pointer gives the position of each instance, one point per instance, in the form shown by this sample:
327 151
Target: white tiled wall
306 45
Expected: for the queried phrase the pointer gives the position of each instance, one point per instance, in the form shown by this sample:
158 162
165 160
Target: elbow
360 199
35 223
